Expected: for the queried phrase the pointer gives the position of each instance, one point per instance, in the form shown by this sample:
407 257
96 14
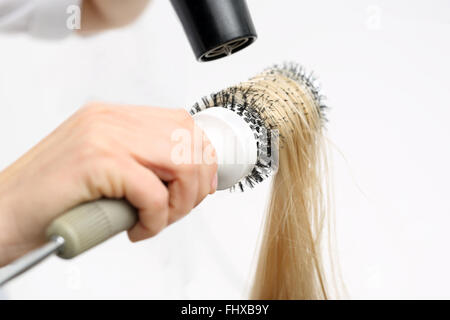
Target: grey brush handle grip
91 223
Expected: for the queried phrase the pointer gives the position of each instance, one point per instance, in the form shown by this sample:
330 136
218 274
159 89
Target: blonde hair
285 98
290 259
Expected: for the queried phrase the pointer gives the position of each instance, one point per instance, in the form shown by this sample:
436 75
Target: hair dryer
215 28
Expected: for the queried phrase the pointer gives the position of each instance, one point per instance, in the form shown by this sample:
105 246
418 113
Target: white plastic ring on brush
234 142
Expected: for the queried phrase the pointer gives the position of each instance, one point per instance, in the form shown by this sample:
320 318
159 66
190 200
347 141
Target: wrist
11 244
6 239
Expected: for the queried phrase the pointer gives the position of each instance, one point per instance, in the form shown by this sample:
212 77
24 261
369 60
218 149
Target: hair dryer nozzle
216 28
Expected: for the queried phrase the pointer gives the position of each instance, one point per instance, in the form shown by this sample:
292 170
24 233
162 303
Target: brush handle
91 223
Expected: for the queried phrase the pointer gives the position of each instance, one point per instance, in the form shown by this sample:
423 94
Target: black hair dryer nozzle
216 28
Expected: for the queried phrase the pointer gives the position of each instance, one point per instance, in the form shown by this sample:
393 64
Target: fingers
194 180
147 193
207 171
183 192
189 180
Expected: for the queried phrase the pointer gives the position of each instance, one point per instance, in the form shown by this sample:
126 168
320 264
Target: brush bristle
244 101
299 74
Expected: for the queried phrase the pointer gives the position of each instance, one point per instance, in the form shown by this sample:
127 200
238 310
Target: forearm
98 15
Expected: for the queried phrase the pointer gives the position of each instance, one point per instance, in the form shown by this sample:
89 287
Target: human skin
97 15
110 151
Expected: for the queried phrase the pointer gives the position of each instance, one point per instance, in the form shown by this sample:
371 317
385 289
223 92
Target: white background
385 68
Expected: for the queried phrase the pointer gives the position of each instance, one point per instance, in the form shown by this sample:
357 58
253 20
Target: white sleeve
40 18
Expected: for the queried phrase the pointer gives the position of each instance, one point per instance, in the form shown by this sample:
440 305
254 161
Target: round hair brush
245 138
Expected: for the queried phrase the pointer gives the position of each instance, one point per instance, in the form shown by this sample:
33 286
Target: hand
104 151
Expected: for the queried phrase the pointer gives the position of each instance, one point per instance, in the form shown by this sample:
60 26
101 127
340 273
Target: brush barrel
91 223
234 142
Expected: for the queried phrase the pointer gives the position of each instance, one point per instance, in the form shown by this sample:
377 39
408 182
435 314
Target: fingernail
214 184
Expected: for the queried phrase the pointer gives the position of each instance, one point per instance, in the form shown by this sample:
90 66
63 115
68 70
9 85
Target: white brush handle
89 224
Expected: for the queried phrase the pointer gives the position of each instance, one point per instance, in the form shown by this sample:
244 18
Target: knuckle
90 109
93 113
91 146
94 152
95 140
